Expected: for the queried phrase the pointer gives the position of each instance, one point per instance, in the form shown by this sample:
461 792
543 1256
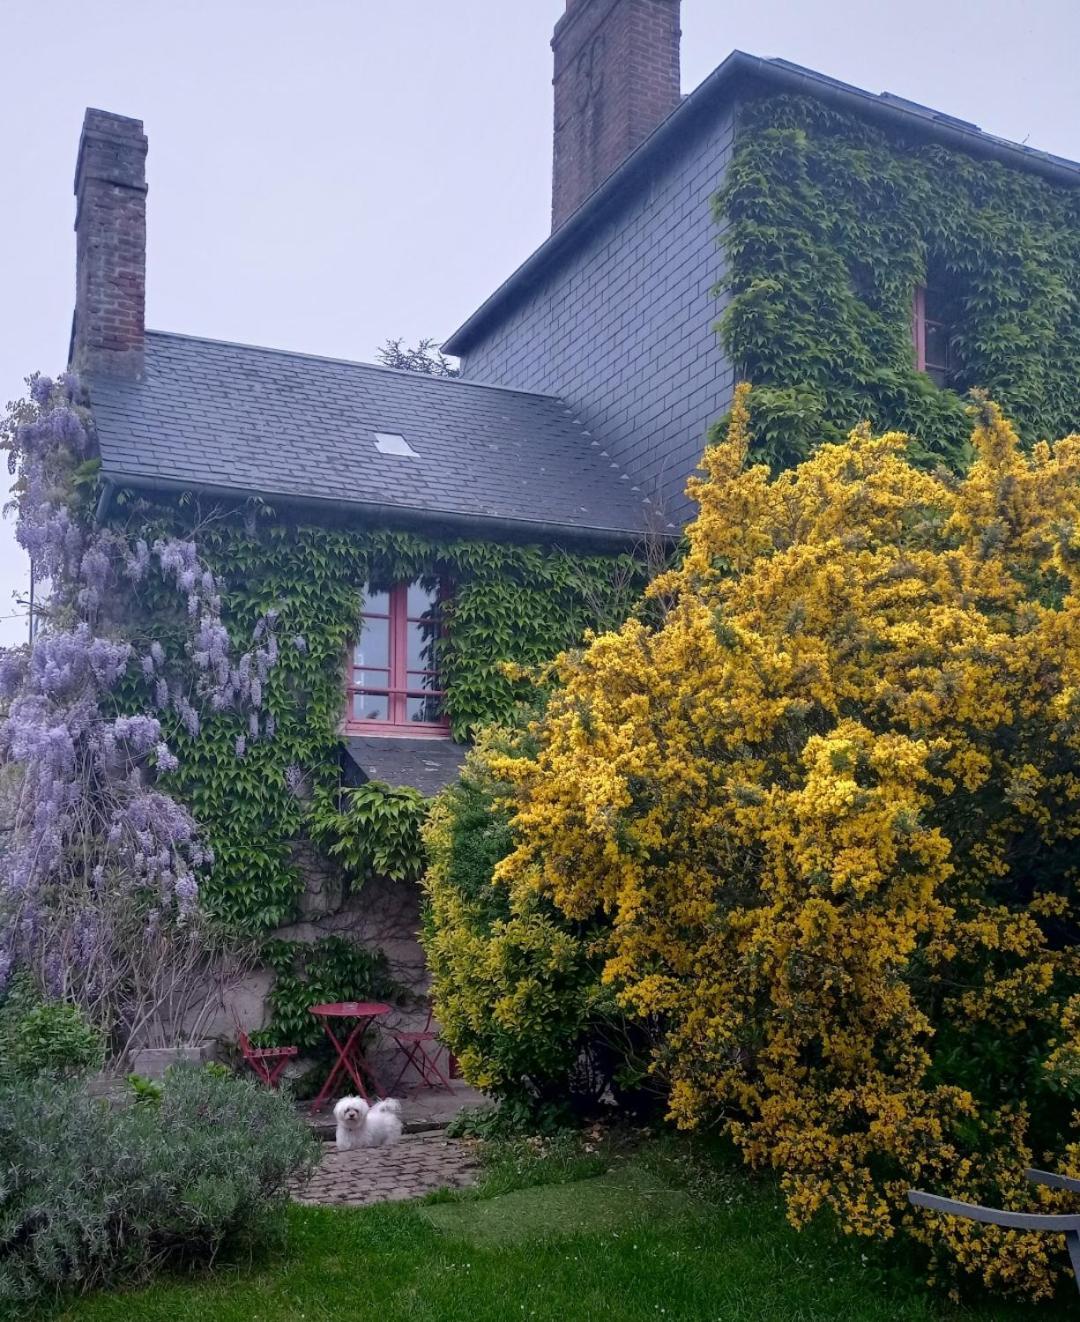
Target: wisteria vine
100 860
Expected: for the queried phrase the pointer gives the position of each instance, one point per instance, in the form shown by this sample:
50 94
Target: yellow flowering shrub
826 810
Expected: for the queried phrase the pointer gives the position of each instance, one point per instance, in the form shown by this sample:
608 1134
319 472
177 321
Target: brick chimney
109 327
616 78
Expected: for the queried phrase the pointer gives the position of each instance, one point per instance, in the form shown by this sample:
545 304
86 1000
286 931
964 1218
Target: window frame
398 672
919 323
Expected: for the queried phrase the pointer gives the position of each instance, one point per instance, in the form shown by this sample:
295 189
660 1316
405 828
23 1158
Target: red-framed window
393 684
931 328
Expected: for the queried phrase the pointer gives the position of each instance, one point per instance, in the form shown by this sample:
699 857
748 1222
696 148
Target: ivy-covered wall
254 796
831 223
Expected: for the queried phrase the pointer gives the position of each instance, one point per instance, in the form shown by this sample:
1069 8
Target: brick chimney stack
109 328
616 78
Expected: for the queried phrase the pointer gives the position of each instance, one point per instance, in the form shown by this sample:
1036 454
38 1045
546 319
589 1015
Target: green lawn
560 1236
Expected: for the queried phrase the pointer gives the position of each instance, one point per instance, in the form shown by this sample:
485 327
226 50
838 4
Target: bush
56 1038
821 821
18 998
44 1036
93 1194
510 1119
516 985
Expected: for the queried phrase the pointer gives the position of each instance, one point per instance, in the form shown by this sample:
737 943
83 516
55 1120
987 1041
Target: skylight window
389 442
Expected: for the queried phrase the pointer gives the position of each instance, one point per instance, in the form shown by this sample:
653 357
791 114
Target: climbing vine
314 973
372 830
254 797
831 223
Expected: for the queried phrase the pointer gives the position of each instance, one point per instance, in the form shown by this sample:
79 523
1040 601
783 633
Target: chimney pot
109 327
616 77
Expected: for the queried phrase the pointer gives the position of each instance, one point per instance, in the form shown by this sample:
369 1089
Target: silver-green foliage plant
93 1194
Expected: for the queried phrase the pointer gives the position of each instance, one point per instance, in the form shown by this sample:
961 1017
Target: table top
349 1009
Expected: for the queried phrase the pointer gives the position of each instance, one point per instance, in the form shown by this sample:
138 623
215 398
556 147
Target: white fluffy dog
360 1125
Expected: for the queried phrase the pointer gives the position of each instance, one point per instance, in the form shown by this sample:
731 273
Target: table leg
350 1059
357 1064
342 1063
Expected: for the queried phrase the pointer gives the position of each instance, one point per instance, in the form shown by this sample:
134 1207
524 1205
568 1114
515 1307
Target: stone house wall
382 913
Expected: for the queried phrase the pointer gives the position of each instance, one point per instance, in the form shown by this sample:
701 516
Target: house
854 255
859 251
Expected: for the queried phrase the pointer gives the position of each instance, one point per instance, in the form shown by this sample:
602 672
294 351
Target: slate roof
425 764
239 420
737 73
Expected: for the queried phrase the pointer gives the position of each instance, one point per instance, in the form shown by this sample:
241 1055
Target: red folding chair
413 1043
267 1062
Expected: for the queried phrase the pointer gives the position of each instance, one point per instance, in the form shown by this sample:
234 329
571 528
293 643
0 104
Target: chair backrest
405 1021
243 1041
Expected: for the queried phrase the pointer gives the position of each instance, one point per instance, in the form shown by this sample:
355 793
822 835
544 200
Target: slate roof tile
428 765
235 418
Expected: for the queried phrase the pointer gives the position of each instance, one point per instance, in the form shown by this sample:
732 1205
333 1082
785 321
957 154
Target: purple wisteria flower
89 824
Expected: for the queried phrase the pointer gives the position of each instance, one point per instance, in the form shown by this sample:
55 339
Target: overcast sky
327 173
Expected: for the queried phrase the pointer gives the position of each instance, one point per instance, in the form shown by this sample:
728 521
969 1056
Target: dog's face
350 1111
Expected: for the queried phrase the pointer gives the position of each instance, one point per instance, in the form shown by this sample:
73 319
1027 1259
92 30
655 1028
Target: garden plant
95 1193
816 826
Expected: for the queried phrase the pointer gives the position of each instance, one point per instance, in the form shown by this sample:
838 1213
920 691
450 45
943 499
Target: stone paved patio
417 1165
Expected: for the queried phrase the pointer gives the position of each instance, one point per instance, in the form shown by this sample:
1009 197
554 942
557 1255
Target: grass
615 1200
559 1233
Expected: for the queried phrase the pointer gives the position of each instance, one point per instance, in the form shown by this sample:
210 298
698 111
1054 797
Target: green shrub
39 1036
144 1091
511 1118
19 997
55 1038
93 1194
516 984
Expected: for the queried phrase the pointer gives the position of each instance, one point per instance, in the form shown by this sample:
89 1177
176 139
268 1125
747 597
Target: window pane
428 681
937 344
423 645
370 707
373 649
422 601
427 710
374 603
371 679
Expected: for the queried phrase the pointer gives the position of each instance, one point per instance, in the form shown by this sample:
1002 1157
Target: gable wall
623 327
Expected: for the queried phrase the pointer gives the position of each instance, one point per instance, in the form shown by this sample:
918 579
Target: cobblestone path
415 1166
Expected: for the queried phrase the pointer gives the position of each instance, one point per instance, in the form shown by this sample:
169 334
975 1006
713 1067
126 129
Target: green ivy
374 833
510 602
830 224
320 973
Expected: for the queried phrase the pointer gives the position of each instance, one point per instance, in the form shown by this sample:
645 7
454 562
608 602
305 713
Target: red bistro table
350 1054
